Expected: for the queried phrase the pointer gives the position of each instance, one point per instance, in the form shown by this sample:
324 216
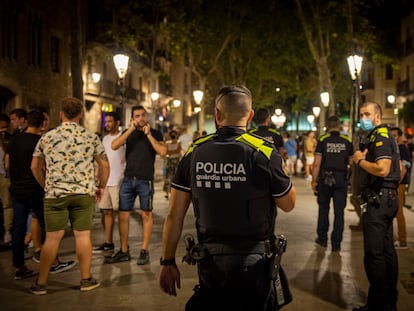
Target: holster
329 178
372 198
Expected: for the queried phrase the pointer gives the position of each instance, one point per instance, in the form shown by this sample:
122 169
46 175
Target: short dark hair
262 115
71 107
19 112
399 131
35 118
377 106
229 89
333 122
139 107
114 115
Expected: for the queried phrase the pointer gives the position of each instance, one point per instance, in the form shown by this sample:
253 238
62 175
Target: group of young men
234 207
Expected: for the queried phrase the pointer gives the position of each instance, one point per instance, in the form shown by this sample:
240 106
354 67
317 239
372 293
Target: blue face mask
366 125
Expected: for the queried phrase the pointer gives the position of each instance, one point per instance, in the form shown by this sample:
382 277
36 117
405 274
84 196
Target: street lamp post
198 98
355 65
325 103
154 97
121 66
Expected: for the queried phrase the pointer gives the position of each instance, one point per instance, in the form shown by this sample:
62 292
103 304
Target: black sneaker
23 273
143 258
37 289
36 256
62 266
89 284
105 247
120 256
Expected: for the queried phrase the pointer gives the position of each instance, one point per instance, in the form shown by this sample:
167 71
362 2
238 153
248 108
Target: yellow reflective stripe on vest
198 142
383 131
256 143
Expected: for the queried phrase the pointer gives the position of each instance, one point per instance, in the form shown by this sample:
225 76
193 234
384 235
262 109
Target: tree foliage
265 44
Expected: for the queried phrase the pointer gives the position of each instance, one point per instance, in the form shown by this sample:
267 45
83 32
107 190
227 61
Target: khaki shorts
77 208
110 198
309 160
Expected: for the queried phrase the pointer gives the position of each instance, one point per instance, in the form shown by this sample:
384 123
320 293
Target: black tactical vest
231 195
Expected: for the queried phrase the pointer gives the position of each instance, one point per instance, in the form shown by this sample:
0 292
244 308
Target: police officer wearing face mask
333 155
379 163
235 181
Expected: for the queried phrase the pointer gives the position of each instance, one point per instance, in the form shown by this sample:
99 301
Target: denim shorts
130 189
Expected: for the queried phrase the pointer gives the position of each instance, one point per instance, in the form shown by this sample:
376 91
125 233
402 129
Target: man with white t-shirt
110 199
185 140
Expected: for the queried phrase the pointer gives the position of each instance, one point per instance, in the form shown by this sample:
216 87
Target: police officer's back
264 130
234 180
333 155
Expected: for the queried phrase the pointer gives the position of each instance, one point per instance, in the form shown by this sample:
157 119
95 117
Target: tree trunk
76 50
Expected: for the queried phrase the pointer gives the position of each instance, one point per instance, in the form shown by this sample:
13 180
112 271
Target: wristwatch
167 262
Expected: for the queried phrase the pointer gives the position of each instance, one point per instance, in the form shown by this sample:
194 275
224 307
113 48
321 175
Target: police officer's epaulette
199 141
383 131
257 143
380 130
270 129
344 136
324 136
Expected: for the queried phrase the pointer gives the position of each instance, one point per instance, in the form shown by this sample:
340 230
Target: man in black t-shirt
26 193
142 145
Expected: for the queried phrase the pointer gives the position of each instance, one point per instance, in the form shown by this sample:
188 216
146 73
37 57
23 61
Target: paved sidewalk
319 280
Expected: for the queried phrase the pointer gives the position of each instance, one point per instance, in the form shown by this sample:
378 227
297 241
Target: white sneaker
7 237
309 178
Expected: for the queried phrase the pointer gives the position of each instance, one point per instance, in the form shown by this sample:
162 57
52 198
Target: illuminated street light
355 66
176 103
316 111
198 98
121 66
96 77
278 118
325 99
391 99
154 97
311 119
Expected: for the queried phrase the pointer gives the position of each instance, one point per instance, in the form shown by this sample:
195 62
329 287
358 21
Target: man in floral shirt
63 163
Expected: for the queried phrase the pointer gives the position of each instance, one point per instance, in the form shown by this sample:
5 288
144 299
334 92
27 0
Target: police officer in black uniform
380 162
263 129
333 155
234 180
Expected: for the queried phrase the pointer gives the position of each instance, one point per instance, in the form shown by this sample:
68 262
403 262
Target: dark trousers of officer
338 193
380 260
236 283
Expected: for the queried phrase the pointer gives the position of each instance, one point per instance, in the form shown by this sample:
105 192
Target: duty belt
260 247
273 247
